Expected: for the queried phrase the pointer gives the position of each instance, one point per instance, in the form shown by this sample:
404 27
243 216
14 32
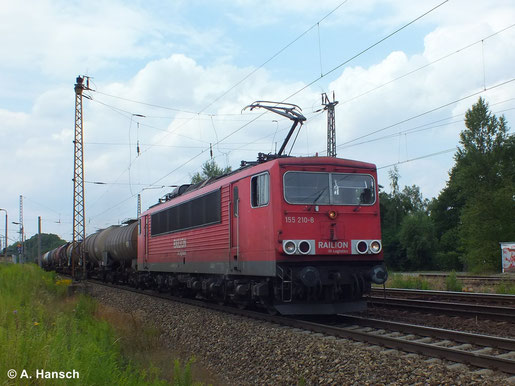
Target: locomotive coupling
378 274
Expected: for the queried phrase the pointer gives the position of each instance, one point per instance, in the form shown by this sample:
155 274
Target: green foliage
210 169
475 211
408 282
407 232
182 374
505 288
452 283
41 328
49 241
416 236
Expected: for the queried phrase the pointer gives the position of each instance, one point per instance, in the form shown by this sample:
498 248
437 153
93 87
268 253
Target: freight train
294 235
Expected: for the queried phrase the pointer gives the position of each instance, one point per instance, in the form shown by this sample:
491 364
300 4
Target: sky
175 77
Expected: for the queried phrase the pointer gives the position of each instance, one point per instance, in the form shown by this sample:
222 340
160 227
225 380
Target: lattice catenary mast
331 127
22 244
79 226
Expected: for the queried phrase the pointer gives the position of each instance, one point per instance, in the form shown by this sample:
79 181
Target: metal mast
22 260
138 214
331 127
79 229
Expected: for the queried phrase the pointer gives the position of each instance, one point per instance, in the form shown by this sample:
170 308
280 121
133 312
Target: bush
452 283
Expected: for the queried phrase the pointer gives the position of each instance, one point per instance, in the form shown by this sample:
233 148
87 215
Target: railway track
467 297
499 313
472 349
507 278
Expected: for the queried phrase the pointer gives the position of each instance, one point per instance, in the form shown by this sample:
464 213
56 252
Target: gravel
242 351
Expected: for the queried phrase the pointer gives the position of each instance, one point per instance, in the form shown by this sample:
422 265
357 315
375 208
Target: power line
418 158
426 126
295 93
200 112
365 50
339 66
428 112
147 104
125 183
428 64
303 88
272 57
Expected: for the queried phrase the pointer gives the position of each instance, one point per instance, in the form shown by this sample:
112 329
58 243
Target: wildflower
15 312
36 324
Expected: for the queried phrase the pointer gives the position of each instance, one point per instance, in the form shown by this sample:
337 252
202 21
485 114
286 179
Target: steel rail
507 278
468 296
506 314
433 332
472 358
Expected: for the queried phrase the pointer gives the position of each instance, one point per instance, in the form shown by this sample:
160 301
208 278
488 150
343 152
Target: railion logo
179 243
333 244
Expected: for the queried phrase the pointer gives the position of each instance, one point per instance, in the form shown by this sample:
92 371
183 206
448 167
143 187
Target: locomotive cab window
260 190
329 188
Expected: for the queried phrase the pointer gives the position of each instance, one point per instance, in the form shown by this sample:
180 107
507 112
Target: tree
404 219
49 241
416 236
209 169
475 211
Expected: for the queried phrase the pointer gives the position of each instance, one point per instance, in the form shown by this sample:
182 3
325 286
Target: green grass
505 288
42 328
397 280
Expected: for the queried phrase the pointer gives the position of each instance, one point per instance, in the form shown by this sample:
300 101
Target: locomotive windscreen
329 188
200 211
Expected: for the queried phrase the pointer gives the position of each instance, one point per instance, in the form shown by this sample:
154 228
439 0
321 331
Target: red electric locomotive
298 235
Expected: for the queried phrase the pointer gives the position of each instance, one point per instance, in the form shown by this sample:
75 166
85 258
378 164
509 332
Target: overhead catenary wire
237 83
428 111
365 50
336 67
341 103
303 88
418 158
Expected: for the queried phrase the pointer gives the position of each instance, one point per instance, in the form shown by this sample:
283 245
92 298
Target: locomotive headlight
332 214
304 247
362 246
375 246
289 247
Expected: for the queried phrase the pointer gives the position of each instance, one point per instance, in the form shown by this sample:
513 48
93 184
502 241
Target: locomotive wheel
269 307
222 298
271 310
241 305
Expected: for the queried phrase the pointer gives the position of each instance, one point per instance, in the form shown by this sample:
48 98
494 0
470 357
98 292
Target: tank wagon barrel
121 242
